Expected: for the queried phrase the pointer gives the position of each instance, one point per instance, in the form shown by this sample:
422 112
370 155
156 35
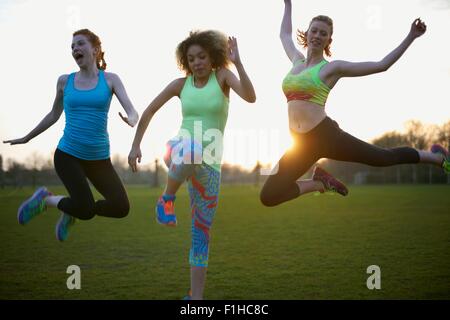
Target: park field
315 247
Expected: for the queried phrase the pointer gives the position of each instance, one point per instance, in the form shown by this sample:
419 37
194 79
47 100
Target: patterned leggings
203 187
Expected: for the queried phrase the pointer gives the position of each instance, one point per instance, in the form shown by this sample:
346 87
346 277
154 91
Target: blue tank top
85 134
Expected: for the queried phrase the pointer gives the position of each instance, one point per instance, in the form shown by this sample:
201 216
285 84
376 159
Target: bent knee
268 199
84 211
123 209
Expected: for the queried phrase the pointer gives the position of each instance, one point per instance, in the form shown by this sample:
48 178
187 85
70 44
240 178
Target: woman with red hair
83 151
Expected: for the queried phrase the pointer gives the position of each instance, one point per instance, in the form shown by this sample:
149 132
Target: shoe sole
26 203
57 228
341 189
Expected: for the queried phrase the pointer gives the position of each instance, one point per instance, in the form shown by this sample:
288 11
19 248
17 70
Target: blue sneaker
437 148
65 222
165 210
33 206
188 296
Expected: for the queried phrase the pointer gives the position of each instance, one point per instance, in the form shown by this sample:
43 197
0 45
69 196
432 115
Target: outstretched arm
242 86
50 118
286 34
173 89
351 69
121 94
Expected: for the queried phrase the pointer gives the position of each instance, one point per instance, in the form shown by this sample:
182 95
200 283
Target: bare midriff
304 115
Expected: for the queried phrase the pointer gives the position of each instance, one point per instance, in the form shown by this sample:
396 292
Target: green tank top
205 113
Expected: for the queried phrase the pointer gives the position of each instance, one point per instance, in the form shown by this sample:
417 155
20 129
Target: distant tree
444 139
15 172
34 163
443 136
2 179
416 134
257 173
417 138
391 140
156 174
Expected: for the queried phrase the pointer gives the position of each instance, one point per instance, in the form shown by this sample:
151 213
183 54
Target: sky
139 39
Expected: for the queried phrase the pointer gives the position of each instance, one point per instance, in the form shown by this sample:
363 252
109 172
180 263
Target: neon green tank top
306 85
205 114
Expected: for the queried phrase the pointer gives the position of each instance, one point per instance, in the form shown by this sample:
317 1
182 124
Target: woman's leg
345 147
435 158
180 167
105 179
179 159
282 184
70 170
203 189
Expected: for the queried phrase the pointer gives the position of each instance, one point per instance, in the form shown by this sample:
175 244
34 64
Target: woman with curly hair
315 135
195 153
83 152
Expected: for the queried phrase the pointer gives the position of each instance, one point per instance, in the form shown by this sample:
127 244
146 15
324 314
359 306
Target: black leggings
326 140
74 173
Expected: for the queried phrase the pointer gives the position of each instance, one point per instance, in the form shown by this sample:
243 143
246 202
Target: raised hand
233 51
16 141
418 28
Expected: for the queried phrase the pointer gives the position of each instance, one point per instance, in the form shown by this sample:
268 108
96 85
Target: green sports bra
306 85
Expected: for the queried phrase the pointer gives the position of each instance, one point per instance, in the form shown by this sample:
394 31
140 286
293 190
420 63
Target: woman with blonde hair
315 135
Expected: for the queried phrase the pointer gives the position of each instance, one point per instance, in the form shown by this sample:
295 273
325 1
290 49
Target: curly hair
96 43
301 36
214 42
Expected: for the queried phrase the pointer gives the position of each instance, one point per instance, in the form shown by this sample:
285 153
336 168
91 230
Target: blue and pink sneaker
33 206
329 182
65 222
165 210
437 148
188 296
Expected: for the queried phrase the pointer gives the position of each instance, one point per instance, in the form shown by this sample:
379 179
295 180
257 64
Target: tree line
38 170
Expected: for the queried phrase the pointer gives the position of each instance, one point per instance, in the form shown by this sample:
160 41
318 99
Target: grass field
317 247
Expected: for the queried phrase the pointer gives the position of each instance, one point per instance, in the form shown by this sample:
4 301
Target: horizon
366 107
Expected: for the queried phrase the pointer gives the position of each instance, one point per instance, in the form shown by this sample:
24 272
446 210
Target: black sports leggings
74 173
326 140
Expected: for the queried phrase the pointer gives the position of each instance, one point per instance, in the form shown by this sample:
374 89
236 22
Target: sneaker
437 148
329 182
65 222
188 296
165 210
33 206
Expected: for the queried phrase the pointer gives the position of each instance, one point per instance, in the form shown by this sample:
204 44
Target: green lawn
316 247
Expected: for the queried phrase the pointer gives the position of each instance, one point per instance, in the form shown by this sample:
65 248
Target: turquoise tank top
85 133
